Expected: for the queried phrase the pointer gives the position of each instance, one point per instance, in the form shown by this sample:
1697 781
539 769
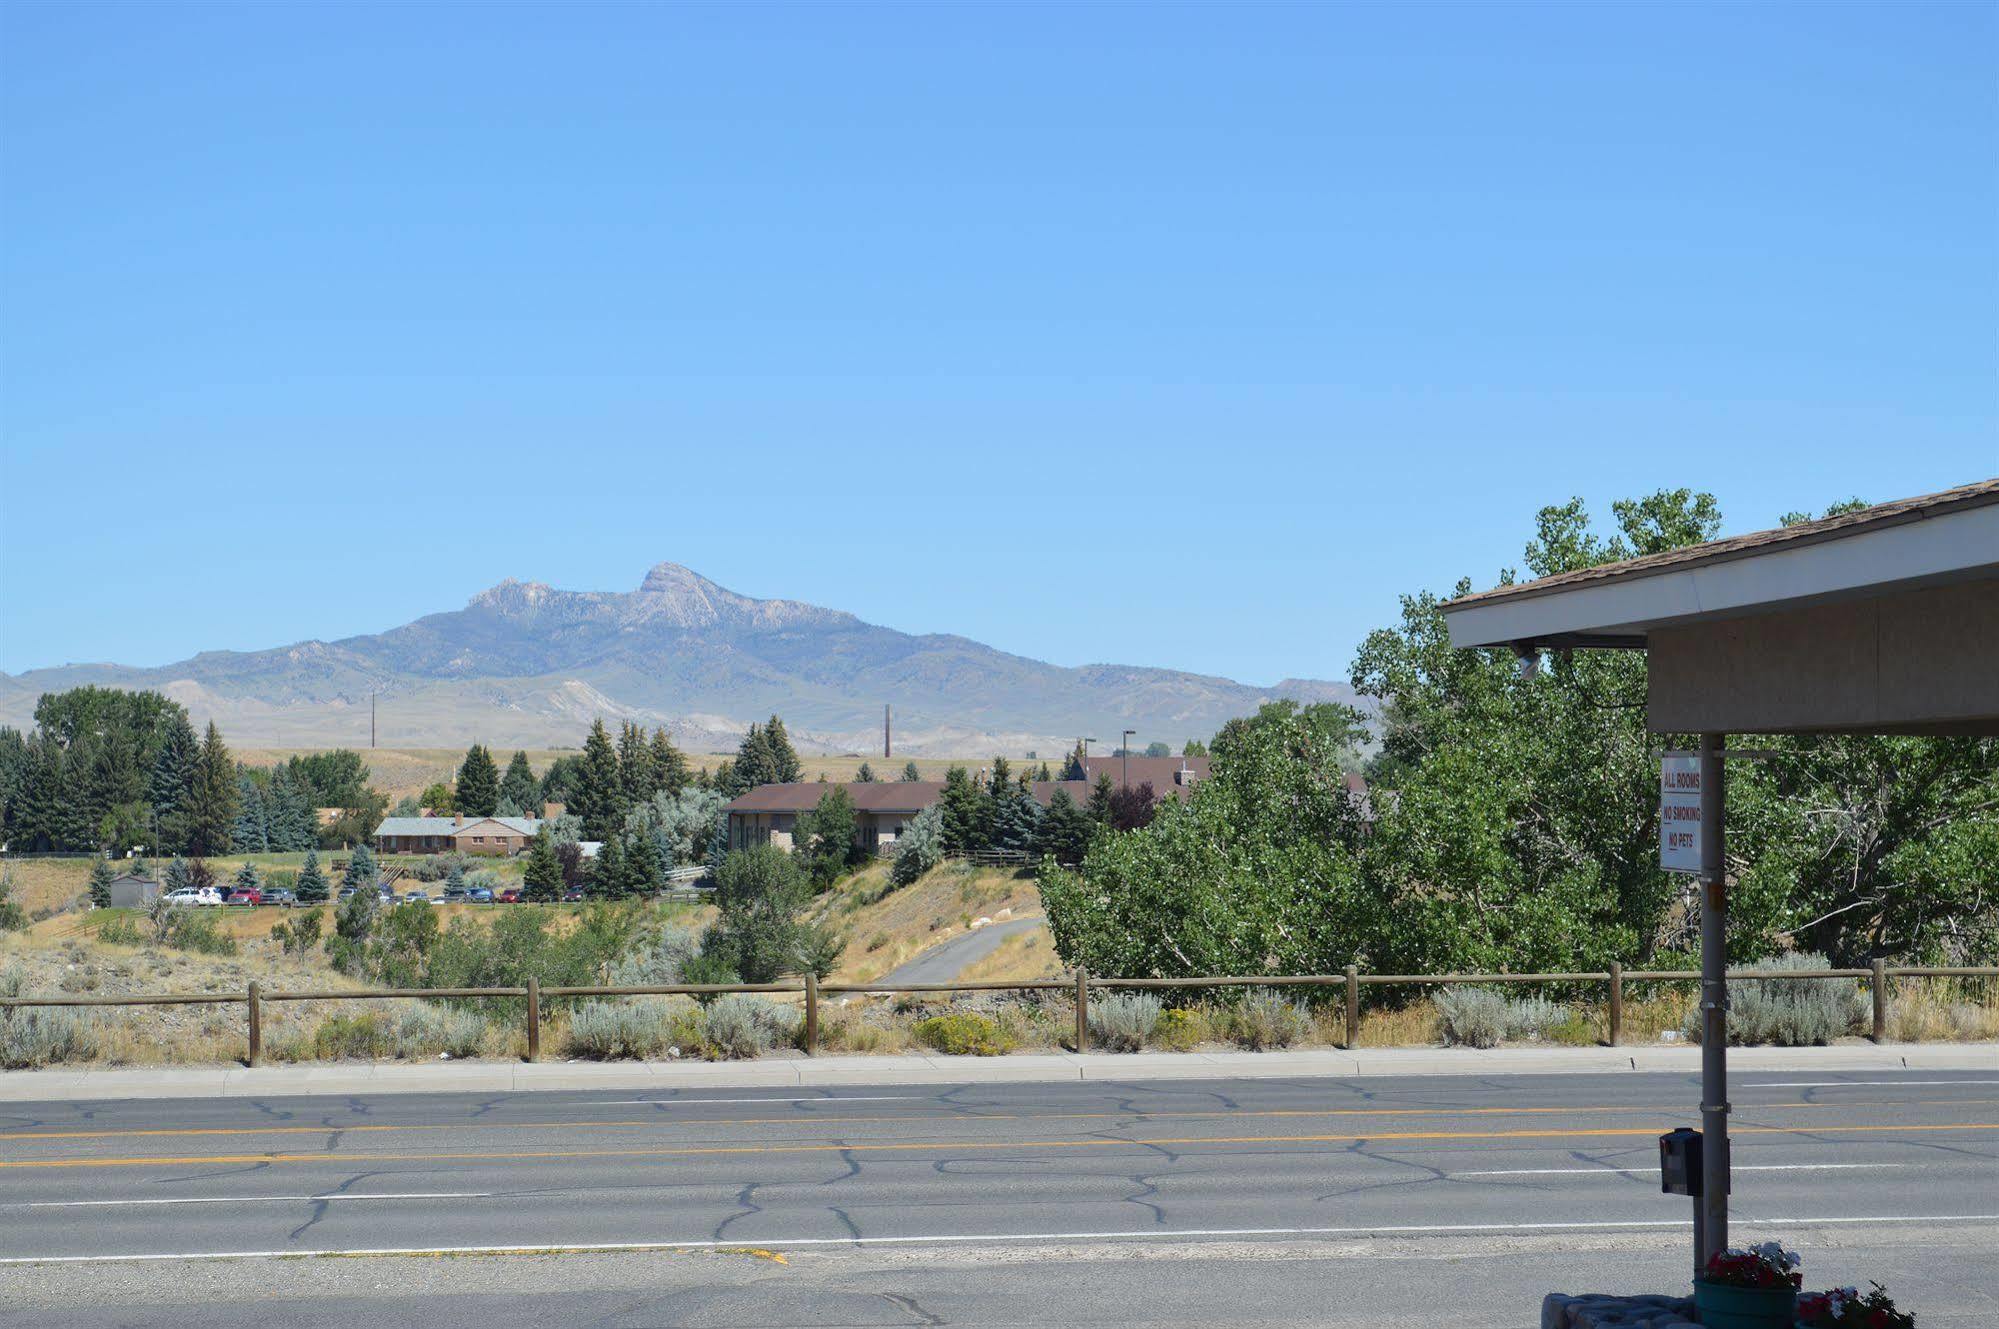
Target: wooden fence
1878 977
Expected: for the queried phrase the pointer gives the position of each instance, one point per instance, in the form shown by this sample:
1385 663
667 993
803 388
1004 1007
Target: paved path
1378 1201
944 962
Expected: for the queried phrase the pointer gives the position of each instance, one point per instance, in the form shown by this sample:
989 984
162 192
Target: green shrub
742 1024
965 1033
1266 1020
1472 1017
195 930
639 1029
301 933
118 928
33 1036
1122 1021
426 1031
339 1036
1790 1012
1181 1029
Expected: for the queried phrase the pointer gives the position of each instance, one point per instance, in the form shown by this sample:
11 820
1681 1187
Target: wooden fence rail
1878 977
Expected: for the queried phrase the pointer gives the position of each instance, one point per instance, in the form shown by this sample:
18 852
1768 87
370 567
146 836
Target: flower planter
1719 1306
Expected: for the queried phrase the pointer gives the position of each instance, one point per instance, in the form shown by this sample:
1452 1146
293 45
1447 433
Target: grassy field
407 772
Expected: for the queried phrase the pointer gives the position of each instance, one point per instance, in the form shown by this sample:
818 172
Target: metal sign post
1691 800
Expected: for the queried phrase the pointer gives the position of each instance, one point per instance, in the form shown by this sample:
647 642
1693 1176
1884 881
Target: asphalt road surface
1378 1202
944 962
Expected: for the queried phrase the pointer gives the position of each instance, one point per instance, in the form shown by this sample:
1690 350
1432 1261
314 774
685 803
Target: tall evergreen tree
252 831
478 783
178 877
960 801
519 785
362 873
170 784
596 794
910 775
312 885
668 762
1065 830
212 809
636 778
290 824
753 765
541 878
785 766
866 775
1074 766
1100 800
607 870
246 878
100 884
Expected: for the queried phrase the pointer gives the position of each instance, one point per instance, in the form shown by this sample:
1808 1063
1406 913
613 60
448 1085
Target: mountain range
525 664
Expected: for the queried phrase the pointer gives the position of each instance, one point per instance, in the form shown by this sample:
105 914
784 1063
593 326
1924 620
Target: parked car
415 897
344 892
190 895
479 895
455 895
511 895
281 897
572 897
245 896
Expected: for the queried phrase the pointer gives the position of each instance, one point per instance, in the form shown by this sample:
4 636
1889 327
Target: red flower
1879 1320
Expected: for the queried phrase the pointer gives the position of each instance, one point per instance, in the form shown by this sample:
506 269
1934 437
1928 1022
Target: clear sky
1184 336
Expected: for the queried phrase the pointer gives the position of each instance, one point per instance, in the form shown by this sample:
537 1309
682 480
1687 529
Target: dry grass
1943 1010
885 927
1025 955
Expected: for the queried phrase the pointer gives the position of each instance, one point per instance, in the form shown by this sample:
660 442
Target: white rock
978 923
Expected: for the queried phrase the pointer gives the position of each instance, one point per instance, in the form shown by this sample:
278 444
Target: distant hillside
524 664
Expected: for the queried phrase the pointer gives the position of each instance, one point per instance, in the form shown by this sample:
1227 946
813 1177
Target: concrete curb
804 1072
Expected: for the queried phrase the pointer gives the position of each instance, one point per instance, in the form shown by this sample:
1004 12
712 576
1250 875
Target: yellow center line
926 1119
938 1146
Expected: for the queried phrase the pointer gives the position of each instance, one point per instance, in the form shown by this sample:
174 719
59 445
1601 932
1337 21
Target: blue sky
1184 336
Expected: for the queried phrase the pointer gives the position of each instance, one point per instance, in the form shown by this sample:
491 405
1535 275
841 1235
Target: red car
245 897
508 896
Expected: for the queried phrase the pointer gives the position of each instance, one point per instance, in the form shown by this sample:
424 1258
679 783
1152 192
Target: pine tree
607 870
596 794
519 785
312 886
170 785
100 884
1100 801
866 775
246 878
251 834
910 775
960 801
753 765
668 763
290 824
785 766
997 794
636 780
212 807
177 877
478 783
1065 830
362 874
541 879
1073 767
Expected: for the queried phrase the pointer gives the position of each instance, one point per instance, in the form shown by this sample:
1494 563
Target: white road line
774 1243
697 1102
1843 1084
1653 1171
252 1199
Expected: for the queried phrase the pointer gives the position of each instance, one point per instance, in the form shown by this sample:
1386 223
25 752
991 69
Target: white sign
1680 812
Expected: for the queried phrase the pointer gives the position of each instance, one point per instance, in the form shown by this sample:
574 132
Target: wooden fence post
1880 1000
1353 1007
255 1002
1082 1009
1616 1002
534 1017
811 1013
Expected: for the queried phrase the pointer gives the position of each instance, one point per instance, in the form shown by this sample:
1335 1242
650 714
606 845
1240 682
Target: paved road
1379 1202
943 963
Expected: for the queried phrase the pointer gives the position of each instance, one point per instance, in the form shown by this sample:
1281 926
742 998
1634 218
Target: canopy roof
1884 620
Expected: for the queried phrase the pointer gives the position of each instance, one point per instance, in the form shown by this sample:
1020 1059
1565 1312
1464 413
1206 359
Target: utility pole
371 720
1126 776
887 751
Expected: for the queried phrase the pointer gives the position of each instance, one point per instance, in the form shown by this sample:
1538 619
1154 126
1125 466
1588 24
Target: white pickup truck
193 895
